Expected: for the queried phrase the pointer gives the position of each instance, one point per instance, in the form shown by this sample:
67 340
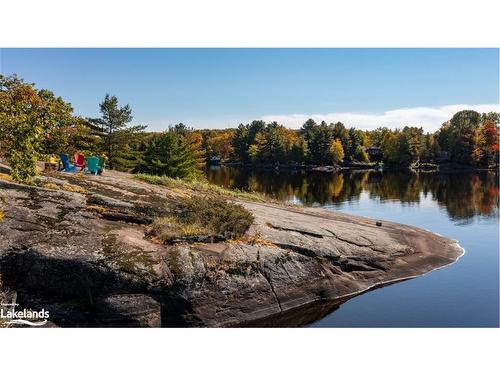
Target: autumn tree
486 146
491 141
361 155
28 118
336 151
221 144
470 137
195 141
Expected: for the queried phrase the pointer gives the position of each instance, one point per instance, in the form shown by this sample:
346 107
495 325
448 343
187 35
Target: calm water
462 205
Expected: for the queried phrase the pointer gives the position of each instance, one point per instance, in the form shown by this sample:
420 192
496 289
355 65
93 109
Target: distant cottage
214 160
443 156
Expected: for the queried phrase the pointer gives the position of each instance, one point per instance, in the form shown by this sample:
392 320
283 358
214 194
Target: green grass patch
200 186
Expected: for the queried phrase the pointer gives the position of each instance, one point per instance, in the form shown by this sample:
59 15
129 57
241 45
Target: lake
459 205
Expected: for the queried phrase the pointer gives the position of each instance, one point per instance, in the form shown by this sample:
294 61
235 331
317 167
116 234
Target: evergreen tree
414 138
355 141
168 155
115 131
244 137
430 148
462 136
194 139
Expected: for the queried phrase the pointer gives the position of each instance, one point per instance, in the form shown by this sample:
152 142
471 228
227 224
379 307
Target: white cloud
430 118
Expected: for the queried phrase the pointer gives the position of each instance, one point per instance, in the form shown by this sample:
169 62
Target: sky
220 88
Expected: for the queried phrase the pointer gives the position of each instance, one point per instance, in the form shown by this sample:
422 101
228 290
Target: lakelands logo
23 317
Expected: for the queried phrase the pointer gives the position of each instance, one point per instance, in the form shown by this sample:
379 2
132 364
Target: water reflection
464 195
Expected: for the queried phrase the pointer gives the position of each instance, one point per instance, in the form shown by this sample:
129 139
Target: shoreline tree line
35 123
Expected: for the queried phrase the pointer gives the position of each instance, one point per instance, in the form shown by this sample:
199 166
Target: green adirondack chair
101 163
93 165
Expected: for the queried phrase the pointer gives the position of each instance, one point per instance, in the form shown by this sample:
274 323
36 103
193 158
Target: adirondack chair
101 163
67 166
93 165
80 161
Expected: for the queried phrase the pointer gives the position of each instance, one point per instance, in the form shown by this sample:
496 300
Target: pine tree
168 155
114 129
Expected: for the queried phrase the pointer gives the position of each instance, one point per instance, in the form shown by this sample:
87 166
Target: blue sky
222 87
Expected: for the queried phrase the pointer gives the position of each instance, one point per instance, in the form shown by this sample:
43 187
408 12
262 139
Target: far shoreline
443 167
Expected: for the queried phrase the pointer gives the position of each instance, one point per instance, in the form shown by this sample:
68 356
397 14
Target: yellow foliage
168 227
5 177
50 185
95 208
74 188
336 151
66 187
53 159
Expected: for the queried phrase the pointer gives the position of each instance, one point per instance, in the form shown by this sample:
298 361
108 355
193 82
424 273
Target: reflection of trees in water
401 185
464 194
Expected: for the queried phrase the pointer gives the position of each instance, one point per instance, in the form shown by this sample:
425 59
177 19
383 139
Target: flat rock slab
58 250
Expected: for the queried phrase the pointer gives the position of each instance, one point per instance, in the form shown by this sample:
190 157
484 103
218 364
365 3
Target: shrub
169 228
203 216
215 213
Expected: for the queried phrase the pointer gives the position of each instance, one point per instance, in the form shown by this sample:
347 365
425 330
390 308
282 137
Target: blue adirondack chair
93 165
68 167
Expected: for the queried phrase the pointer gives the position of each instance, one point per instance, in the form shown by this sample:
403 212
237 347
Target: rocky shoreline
85 256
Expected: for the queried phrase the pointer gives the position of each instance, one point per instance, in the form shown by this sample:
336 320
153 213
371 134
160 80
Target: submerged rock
88 260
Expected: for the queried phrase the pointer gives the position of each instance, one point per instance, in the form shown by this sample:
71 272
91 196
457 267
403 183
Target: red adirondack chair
80 161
